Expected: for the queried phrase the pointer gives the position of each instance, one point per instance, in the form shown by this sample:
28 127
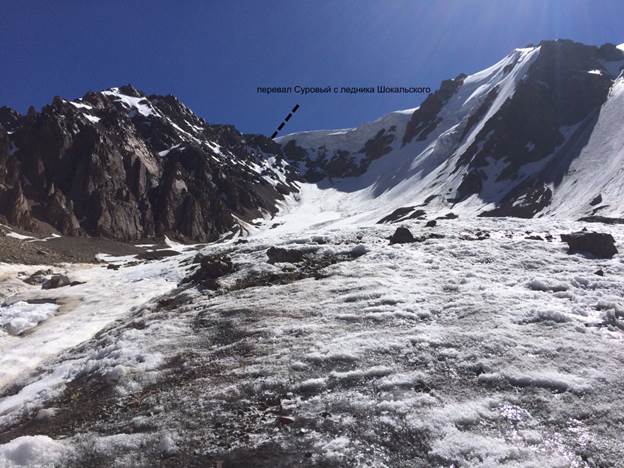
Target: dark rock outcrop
210 269
402 214
56 281
16 207
38 277
281 255
402 235
596 200
598 244
425 119
522 202
602 219
379 145
123 165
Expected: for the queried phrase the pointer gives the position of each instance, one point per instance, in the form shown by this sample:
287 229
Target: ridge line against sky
213 55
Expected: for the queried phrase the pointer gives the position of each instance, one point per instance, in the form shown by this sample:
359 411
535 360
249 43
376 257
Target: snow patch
34 451
15 235
543 284
92 118
22 316
139 105
164 153
80 105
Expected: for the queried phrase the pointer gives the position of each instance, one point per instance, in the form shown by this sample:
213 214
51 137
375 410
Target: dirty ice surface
504 351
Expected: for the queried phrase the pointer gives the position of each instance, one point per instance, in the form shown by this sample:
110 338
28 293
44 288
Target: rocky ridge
123 165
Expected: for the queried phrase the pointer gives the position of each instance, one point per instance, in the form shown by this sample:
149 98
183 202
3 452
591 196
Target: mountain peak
129 90
495 142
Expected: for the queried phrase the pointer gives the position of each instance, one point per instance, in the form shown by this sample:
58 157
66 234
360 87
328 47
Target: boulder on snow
38 277
431 223
56 281
280 255
598 244
210 268
476 236
402 235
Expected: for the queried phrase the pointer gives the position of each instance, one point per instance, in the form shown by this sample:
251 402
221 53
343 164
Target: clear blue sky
213 54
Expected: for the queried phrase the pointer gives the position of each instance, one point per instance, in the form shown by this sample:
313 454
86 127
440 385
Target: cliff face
127 166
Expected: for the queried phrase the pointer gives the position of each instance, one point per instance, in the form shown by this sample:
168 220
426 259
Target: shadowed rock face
425 119
524 201
378 146
340 163
127 166
8 118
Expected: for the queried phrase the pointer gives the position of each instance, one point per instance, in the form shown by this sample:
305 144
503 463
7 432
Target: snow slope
410 174
599 169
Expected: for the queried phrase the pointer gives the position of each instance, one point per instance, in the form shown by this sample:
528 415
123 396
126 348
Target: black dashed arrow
290 114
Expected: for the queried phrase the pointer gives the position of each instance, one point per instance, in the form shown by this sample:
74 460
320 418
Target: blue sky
213 54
